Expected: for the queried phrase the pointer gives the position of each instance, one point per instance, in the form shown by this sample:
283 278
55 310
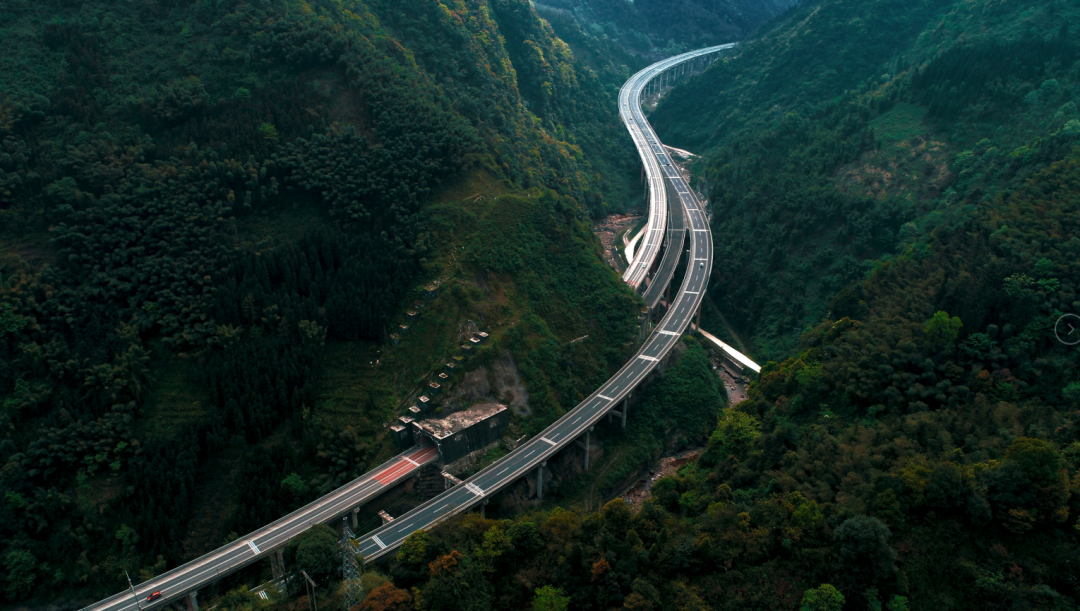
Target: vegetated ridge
212 215
894 197
660 28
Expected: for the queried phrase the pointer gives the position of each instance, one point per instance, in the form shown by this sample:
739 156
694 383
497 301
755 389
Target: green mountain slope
824 140
657 28
894 192
213 214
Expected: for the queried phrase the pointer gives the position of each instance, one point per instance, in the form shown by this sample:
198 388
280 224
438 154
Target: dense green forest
228 204
658 28
894 189
209 209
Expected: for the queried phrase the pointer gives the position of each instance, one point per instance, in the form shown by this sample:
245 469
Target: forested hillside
658 28
212 213
894 189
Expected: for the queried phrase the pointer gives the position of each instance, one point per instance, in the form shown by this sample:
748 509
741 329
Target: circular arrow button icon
1067 329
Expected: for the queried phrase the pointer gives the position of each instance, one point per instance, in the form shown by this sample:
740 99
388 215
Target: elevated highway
267 542
531 457
664 226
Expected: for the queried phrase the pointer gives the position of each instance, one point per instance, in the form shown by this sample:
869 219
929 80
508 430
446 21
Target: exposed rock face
502 384
508 385
466 330
475 386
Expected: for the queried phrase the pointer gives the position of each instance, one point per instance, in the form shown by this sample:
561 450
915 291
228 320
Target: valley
330 302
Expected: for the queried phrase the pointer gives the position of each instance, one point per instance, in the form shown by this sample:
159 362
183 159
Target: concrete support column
588 434
192 600
625 408
699 315
277 563
540 480
355 511
386 518
584 445
483 509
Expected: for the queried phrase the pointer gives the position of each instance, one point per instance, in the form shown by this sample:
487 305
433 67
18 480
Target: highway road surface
177 583
652 157
673 247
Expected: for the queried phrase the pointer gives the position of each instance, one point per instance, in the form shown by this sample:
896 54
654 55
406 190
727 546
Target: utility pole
311 590
132 586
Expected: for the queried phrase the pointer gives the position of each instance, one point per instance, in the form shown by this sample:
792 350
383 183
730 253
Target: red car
154 596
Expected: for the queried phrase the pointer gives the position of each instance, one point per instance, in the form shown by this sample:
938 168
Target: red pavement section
403 467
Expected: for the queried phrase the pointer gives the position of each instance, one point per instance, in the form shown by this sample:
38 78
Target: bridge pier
622 409
585 446
277 563
386 518
540 480
355 511
192 600
483 509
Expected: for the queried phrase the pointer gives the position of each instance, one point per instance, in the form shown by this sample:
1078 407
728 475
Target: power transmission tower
351 590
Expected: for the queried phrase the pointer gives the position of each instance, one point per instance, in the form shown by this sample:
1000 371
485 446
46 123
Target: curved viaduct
674 213
532 456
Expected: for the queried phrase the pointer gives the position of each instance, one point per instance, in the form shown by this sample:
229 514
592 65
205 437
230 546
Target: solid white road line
605 398
648 358
378 541
549 441
254 548
415 464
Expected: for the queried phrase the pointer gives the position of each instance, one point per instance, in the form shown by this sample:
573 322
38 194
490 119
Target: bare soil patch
608 230
668 465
